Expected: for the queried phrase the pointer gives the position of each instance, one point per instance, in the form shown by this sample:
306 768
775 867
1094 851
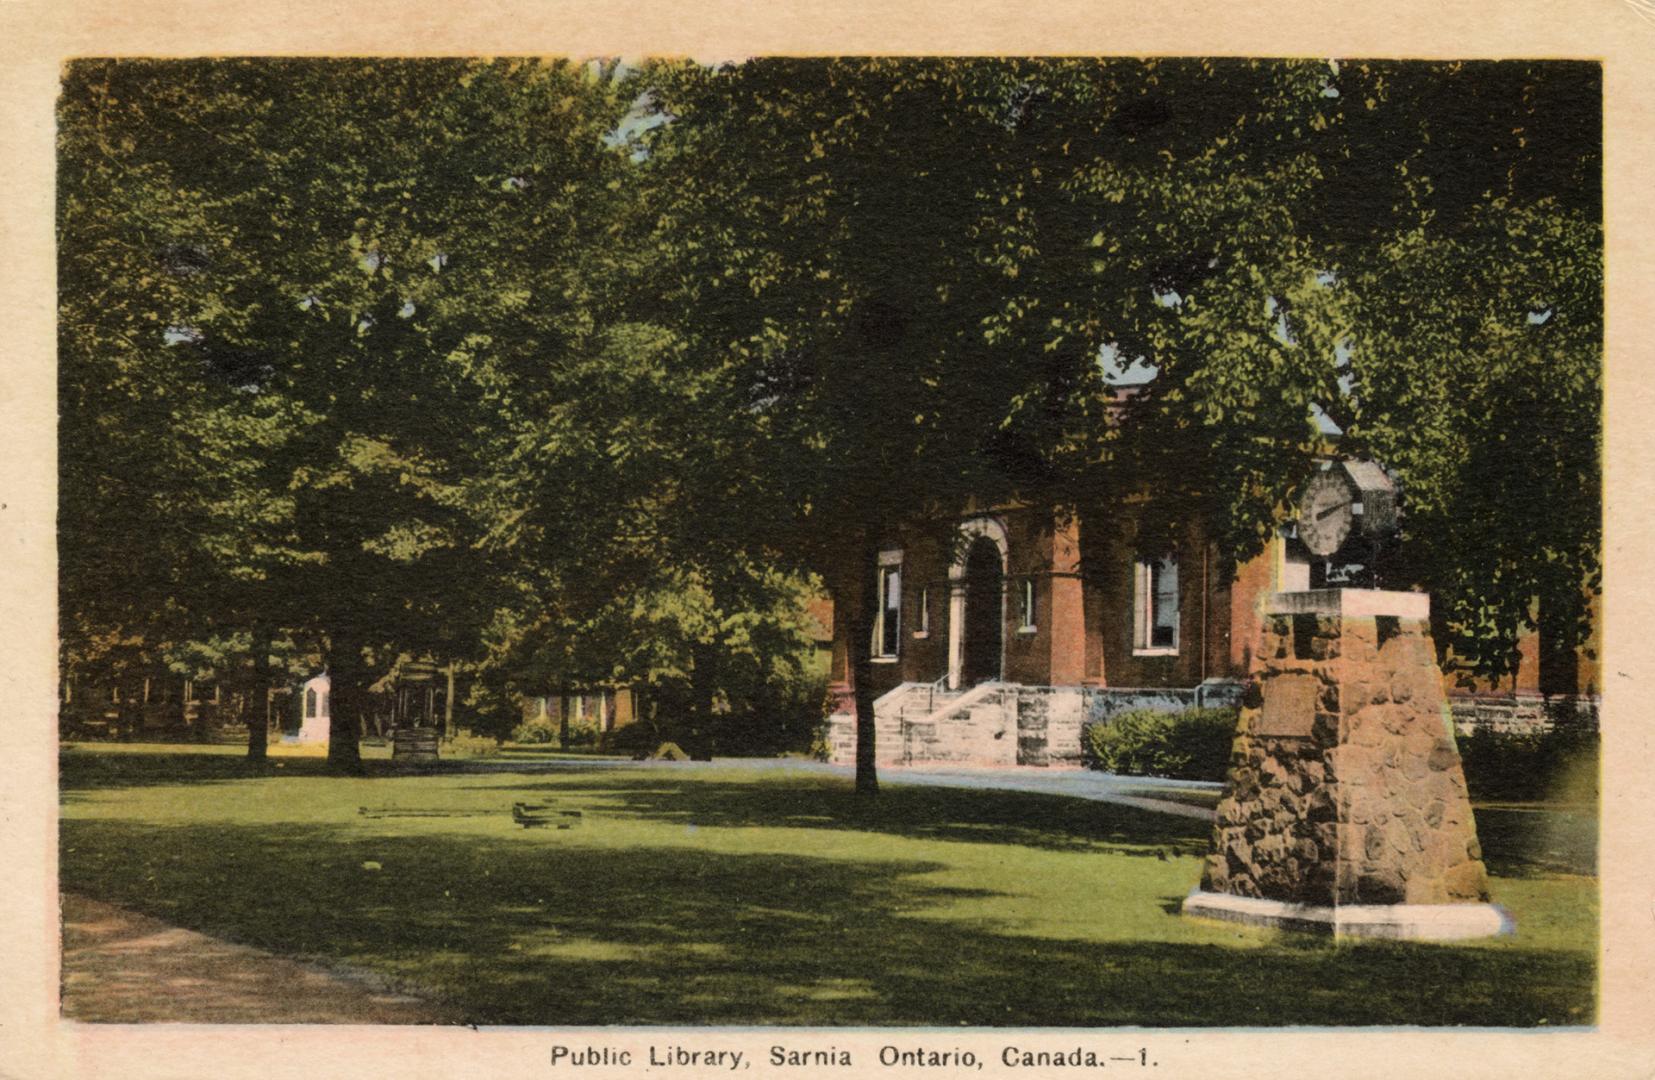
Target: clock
1326 512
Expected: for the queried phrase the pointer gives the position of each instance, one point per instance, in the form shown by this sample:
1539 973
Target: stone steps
918 706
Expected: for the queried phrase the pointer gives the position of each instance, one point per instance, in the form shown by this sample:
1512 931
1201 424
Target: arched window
310 703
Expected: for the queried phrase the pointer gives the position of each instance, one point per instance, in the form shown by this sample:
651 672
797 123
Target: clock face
1325 514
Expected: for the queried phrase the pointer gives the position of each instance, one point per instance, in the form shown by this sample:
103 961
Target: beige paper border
36 36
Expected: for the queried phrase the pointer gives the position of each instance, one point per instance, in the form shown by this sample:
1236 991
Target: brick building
995 646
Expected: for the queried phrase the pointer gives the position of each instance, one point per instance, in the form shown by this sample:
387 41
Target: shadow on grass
1517 843
1528 843
1051 822
520 928
94 768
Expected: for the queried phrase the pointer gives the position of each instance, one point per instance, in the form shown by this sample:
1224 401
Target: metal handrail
931 693
974 696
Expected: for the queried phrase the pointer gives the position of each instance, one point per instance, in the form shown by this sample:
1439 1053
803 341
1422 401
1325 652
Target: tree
891 267
164 536
901 275
1476 373
571 353
366 269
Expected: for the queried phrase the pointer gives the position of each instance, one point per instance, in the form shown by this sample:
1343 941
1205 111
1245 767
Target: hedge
1561 763
1193 744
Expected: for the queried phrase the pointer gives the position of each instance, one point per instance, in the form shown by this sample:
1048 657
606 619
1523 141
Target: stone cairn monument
1346 808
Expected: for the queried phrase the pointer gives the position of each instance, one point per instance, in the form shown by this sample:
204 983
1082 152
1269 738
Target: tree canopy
921 273
574 370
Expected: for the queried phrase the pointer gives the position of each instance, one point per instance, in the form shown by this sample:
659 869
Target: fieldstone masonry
1345 794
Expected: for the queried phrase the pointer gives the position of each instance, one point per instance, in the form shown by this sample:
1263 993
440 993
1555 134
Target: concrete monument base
1405 922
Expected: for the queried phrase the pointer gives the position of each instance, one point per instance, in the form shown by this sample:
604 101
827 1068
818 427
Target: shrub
581 733
636 739
821 743
775 718
1190 745
541 731
534 731
468 743
1561 763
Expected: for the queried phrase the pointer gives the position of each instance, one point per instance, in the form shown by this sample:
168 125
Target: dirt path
122 967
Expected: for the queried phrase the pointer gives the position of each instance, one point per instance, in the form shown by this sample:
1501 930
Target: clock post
1345 807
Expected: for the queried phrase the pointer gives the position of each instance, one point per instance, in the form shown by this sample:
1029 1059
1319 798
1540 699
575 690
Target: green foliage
780 716
541 731
298 342
469 744
725 649
1193 744
579 733
1559 764
538 732
583 373
637 739
914 267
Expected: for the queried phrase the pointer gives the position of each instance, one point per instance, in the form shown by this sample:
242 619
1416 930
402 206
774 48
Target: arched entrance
976 602
983 623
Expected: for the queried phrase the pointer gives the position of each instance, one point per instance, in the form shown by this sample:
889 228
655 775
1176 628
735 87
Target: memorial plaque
1289 709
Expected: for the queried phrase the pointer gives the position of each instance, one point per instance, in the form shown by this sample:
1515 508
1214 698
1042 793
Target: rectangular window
887 614
1155 607
1028 604
924 612
890 609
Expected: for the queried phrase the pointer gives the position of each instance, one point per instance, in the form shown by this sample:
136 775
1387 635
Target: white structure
314 701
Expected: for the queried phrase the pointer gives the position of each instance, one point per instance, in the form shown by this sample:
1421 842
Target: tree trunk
348 696
861 662
704 696
258 696
448 705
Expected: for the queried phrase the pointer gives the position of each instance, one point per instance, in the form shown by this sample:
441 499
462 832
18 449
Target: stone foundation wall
983 736
841 739
1048 723
1017 725
1104 703
1345 785
1521 714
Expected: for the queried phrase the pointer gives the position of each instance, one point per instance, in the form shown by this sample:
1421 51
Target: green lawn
707 894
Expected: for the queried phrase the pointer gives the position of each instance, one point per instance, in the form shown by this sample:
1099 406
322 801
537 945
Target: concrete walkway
121 967
1143 792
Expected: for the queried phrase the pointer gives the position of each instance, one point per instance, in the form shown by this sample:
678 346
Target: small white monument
314 702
